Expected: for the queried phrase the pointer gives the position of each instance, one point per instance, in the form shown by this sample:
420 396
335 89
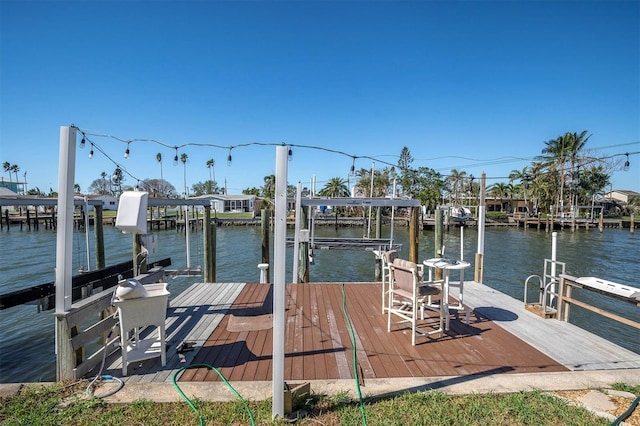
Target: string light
290 154
91 152
82 142
126 153
353 166
290 151
626 163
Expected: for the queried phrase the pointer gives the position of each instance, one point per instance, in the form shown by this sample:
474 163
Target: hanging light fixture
126 153
91 152
175 157
626 163
82 142
229 157
353 166
290 154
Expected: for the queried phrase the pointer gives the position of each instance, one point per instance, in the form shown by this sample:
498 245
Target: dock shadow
492 313
441 384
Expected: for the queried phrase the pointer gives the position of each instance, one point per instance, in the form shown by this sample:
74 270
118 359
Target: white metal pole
554 253
86 231
393 211
479 267
279 261
296 234
64 233
373 168
187 236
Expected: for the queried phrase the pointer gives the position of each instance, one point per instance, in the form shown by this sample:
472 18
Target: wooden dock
230 328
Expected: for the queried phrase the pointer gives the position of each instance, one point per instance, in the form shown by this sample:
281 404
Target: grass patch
58 404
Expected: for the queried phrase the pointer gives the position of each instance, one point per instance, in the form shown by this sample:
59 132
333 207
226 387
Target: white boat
460 213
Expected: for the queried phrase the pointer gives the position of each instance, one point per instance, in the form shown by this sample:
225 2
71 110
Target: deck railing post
413 235
99 236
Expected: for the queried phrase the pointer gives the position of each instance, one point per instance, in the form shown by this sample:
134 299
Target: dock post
631 225
98 231
209 235
6 217
265 227
601 222
138 266
28 220
439 240
413 235
303 252
378 222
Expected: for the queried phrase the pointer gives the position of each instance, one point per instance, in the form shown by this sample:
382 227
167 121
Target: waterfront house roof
623 195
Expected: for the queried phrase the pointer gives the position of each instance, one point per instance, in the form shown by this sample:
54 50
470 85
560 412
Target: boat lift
378 246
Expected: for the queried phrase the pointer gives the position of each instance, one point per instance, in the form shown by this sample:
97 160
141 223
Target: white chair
407 294
387 259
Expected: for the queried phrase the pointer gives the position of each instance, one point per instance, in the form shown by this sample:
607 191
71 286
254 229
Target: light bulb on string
175 157
127 152
626 163
229 158
290 154
82 143
91 152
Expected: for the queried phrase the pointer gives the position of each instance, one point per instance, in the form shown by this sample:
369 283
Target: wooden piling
209 235
98 229
601 222
414 235
631 225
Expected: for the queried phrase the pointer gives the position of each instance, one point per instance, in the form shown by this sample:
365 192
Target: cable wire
226 382
363 414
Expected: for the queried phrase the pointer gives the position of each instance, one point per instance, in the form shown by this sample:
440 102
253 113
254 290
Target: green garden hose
355 358
226 382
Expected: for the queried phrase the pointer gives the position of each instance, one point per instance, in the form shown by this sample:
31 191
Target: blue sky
477 86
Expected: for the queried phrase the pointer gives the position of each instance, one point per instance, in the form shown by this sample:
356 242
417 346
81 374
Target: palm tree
336 187
184 158
159 160
15 169
499 190
524 178
212 174
269 188
7 168
456 180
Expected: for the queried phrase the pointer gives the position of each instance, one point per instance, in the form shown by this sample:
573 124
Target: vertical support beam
303 249
378 222
265 227
138 266
296 233
99 236
64 250
632 226
64 236
439 240
279 261
413 235
478 275
208 234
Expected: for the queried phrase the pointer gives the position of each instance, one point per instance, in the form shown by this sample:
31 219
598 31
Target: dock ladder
546 304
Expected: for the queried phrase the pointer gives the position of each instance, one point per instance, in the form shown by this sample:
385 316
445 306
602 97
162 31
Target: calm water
28 258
